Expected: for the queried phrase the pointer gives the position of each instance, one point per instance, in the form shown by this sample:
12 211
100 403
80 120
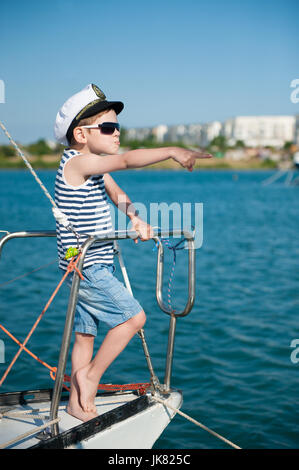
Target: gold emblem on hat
98 92
89 105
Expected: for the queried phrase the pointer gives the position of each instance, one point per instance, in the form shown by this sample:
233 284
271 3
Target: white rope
28 433
196 422
59 216
21 414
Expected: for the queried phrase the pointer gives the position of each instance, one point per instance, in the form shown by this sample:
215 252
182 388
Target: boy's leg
81 356
89 375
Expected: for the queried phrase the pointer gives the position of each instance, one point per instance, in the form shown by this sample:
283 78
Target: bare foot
87 390
78 413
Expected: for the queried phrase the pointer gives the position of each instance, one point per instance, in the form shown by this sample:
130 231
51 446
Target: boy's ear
79 135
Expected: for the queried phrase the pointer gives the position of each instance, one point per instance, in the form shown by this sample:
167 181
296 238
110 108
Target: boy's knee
139 320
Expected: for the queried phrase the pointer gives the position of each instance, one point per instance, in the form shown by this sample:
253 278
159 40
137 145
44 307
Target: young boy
87 125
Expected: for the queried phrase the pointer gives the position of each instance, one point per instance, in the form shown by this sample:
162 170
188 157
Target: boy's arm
119 197
123 202
91 164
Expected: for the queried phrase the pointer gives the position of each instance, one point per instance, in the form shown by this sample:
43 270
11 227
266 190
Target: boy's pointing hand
144 230
186 158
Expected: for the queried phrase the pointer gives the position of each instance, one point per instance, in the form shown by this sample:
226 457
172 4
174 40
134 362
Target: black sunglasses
106 128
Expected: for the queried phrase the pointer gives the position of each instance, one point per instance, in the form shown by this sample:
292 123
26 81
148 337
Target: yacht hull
125 421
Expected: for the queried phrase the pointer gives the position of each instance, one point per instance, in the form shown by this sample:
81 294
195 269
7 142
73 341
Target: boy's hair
87 122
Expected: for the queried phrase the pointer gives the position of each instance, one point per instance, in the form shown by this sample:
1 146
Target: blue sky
171 62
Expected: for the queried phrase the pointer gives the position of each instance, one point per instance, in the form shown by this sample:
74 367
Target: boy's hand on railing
144 230
186 158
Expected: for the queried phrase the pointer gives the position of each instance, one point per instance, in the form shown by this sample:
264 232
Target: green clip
71 252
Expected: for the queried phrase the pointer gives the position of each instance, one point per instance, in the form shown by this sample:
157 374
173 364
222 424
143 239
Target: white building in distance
209 131
260 131
253 131
138 133
159 132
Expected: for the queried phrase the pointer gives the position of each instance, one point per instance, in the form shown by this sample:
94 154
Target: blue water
232 353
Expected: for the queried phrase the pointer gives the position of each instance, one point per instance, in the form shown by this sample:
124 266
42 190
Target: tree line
39 148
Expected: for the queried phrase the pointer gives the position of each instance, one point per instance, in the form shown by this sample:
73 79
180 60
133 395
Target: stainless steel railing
68 327
191 273
191 296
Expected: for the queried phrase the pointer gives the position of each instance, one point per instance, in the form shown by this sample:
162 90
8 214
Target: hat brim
118 106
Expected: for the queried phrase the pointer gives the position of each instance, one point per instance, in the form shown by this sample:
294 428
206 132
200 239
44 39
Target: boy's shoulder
68 152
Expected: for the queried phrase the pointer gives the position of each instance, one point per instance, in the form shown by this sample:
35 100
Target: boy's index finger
204 155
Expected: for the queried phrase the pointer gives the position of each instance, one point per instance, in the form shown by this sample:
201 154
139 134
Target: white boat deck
140 430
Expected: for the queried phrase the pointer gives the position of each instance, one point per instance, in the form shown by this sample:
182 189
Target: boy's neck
80 147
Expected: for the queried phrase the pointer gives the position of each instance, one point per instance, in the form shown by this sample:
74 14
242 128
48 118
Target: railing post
66 339
170 349
64 351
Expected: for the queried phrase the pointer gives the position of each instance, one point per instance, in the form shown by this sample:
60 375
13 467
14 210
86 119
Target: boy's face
97 142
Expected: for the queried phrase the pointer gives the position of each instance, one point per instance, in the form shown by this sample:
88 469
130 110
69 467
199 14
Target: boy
87 124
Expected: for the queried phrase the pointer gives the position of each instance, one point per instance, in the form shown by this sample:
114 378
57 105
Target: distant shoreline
51 162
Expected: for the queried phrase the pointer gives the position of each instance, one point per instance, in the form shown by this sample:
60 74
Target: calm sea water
232 353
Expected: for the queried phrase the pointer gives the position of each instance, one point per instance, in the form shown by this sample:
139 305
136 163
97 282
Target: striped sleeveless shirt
87 209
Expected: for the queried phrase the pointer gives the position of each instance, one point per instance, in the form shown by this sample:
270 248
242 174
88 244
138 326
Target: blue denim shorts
102 297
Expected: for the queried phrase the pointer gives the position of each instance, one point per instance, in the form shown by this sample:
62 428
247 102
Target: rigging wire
29 166
59 216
